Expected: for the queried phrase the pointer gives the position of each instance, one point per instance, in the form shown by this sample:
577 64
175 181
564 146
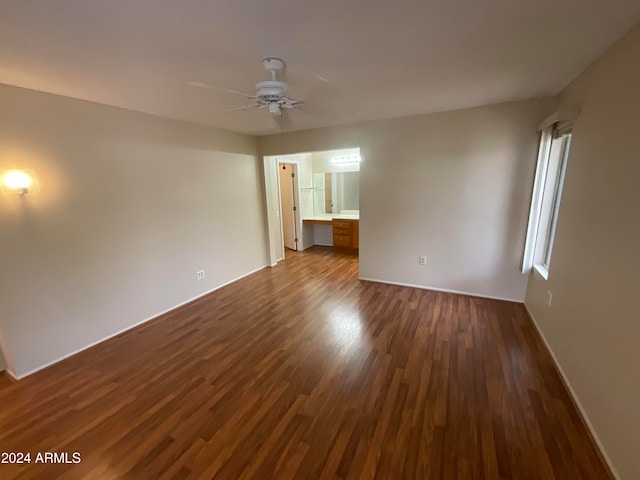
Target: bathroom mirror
336 193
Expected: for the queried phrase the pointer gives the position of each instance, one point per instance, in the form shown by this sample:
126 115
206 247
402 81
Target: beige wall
453 186
129 207
593 324
3 365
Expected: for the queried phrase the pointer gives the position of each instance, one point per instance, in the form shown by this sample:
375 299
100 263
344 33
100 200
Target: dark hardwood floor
302 371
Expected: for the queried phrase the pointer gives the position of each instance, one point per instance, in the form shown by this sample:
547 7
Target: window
547 193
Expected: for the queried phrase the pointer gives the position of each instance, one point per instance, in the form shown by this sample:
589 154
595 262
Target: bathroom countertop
327 219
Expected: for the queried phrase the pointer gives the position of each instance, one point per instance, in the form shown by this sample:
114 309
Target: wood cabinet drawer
341 231
342 241
341 225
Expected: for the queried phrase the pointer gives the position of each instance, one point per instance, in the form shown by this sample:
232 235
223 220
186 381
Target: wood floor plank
302 371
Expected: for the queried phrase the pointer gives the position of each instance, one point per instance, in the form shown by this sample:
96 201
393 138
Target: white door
287 201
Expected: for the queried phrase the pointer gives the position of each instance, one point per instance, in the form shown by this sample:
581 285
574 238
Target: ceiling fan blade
288 102
233 109
242 107
312 78
222 89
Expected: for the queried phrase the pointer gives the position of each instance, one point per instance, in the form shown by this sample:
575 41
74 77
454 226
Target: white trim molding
561 116
446 290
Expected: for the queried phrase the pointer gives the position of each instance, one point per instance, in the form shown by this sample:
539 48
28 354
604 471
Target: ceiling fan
269 94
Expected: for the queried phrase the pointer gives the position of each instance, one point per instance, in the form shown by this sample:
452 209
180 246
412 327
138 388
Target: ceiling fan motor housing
270 87
271 92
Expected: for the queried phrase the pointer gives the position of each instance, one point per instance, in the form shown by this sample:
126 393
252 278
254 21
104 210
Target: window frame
546 198
557 197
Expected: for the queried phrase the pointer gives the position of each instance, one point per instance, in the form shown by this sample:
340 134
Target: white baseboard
574 397
459 292
93 344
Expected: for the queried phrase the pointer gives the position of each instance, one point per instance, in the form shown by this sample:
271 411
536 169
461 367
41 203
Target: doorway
325 189
288 204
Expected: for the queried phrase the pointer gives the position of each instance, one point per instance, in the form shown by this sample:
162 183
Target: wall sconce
17 182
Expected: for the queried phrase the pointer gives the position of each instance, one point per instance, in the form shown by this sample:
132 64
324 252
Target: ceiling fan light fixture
274 108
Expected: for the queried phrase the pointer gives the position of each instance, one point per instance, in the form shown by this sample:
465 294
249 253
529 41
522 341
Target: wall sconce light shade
16 182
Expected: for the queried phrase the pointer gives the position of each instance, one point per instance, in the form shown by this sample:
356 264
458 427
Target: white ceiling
380 58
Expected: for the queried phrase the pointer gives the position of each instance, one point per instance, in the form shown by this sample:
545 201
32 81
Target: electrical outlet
549 297
199 274
422 260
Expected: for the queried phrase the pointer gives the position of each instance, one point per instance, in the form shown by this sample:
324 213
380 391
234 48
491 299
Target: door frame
275 240
297 223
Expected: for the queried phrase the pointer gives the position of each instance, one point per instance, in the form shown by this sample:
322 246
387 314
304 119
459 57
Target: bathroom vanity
331 216
340 232
346 234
